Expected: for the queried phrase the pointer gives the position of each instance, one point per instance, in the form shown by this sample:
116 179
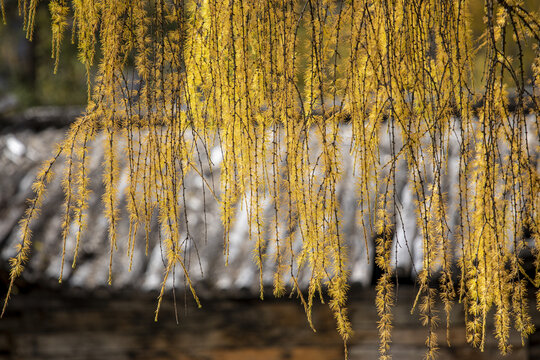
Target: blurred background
83 318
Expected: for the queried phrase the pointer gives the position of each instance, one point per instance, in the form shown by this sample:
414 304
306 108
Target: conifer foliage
168 79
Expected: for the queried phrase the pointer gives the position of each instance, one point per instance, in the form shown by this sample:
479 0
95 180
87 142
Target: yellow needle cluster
266 79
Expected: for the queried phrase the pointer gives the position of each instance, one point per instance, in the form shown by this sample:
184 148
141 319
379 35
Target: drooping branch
265 81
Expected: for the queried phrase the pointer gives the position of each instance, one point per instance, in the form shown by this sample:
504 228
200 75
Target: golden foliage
262 79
